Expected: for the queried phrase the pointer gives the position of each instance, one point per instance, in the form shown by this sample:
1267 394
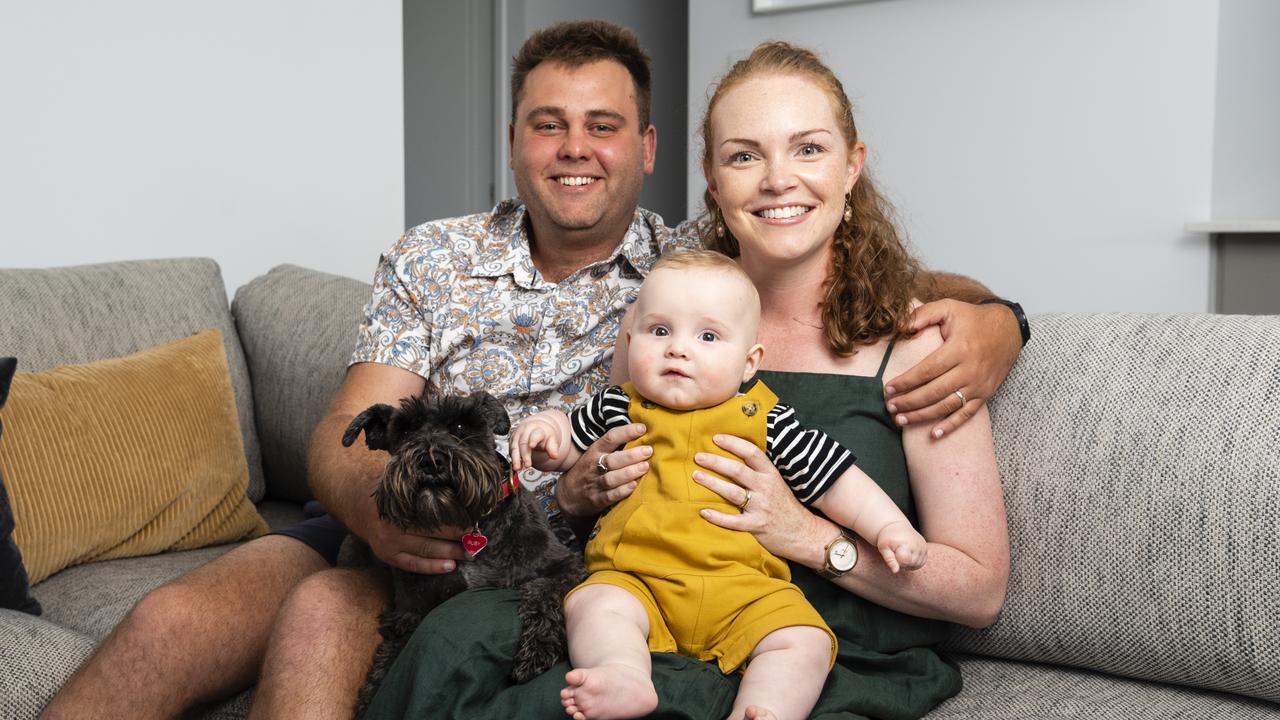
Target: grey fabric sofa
1140 456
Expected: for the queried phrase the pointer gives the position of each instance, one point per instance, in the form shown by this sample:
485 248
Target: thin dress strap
884 362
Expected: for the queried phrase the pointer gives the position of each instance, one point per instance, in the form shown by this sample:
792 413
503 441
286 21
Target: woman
786 180
789 197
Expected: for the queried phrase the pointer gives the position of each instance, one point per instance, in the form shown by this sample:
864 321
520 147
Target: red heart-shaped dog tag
473 542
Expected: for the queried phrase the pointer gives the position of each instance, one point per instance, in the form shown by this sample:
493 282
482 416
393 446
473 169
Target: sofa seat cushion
36 658
72 315
128 456
1004 690
93 598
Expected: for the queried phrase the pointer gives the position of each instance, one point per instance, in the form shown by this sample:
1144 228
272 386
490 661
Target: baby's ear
754 356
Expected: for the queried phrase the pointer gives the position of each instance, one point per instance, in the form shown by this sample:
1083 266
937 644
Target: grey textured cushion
69 315
298 328
1140 457
998 690
36 658
93 598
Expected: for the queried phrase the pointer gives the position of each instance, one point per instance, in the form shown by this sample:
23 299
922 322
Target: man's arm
931 286
343 478
980 344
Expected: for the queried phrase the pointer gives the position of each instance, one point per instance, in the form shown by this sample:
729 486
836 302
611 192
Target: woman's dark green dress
457 664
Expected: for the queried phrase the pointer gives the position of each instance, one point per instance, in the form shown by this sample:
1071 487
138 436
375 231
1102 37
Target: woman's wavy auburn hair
868 293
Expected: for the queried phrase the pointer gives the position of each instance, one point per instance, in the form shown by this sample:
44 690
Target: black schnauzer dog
445 470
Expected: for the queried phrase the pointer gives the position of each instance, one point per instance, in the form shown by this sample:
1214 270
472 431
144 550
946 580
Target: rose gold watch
841 556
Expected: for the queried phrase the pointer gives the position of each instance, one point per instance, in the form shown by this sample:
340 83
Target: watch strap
1024 327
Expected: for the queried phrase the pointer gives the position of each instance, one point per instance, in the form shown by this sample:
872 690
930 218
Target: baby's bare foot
755 712
608 692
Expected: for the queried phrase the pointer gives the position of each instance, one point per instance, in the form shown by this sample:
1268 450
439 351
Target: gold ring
600 468
961 396
745 502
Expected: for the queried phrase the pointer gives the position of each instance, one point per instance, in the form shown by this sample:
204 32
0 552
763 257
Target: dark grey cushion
298 328
1140 456
68 315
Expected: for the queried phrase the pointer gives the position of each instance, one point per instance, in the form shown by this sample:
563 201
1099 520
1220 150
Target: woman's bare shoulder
909 351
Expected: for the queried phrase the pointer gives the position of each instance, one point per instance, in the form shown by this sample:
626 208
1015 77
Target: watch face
843 555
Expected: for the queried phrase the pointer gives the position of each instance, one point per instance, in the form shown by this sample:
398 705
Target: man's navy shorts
320 531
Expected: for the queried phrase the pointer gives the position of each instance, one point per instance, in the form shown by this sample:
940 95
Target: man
524 302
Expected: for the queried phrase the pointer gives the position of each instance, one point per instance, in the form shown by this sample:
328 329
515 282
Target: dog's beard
433 485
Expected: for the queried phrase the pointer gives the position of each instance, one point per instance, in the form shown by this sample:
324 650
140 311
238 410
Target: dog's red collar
510 487
475 541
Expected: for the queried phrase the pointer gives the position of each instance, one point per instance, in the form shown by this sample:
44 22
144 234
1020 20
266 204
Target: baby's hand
901 546
530 436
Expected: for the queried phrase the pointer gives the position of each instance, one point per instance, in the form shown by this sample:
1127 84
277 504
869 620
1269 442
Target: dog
445 470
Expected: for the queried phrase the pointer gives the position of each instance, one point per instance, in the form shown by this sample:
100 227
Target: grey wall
1051 149
661 26
449 106
1246 169
252 132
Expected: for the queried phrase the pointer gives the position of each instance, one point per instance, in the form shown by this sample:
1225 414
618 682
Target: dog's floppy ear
373 421
495 413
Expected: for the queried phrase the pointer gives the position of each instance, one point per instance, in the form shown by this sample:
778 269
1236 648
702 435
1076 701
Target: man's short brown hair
578 43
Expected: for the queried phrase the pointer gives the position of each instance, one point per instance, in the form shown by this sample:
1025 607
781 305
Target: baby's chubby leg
785 674
609 649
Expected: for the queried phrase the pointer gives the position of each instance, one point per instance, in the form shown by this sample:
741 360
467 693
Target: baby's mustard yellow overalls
710 593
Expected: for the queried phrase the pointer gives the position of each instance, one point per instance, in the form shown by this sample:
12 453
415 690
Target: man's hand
584 492
413 552
980 345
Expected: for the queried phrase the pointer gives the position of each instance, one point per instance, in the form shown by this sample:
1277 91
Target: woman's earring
848 207
719 225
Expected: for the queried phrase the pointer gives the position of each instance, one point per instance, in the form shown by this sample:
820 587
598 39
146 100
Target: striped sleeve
603 411
808 459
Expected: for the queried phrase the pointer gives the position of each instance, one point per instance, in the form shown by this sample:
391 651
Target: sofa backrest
69 315
298 329
1140 457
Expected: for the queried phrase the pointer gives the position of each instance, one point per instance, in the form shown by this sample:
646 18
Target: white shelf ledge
1234 226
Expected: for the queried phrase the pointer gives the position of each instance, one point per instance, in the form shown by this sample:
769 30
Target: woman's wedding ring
961 396
745 502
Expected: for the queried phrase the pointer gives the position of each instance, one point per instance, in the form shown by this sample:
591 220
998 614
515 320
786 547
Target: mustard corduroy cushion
124 457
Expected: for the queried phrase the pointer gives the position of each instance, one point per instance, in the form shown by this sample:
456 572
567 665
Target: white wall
1050 149
252 132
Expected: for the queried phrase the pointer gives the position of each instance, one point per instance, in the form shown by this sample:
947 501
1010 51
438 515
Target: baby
663 579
